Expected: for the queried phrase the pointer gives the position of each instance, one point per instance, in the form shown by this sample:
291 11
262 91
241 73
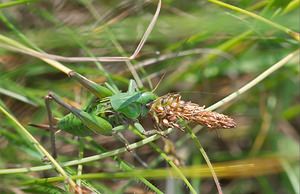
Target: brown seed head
168 109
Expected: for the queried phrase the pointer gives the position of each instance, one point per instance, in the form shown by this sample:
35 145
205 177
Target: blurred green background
197 48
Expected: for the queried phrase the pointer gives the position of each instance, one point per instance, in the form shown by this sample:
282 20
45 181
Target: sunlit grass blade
17 96
290 32
14 3
249 167
210 56
13 45
291 175
291 6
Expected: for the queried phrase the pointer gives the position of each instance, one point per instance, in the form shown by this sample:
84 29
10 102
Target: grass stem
85 159
255 81
23 132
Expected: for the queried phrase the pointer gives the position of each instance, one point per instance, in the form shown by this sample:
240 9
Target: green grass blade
14 3
290 32
24 133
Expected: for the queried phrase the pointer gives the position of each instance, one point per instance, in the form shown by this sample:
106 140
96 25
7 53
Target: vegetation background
204 49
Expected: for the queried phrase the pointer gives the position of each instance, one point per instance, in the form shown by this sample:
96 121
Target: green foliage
206 51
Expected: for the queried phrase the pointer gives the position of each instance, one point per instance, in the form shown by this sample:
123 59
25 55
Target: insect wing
131 111
122 100
97 124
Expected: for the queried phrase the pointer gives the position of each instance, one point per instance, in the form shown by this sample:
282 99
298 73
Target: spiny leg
153 132
51 96
51 125
59 101
117 133
141 129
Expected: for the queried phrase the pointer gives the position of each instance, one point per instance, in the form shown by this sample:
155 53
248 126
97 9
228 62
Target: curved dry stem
184 53
44 56
148 31
17 47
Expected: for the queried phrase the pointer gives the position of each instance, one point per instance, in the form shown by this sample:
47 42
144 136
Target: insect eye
146 97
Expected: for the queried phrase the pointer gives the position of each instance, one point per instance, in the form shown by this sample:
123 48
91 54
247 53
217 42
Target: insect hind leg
52 97
52 129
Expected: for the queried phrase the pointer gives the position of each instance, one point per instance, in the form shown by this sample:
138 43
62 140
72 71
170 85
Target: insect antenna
160 80
218 134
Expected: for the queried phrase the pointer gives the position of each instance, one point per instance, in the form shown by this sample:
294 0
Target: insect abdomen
73 125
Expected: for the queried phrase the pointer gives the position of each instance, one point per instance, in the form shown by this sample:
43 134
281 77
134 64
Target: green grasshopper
108 114
113 111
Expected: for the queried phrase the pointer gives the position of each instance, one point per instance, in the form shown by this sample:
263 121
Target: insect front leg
117 133
141 129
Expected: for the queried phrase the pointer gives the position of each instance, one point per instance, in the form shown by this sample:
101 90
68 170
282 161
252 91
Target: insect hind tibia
96 89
